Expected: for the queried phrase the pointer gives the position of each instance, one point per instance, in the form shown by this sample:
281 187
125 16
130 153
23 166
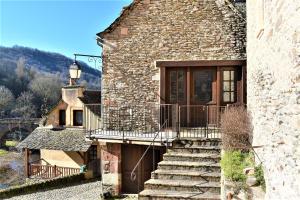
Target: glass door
176 93
202 95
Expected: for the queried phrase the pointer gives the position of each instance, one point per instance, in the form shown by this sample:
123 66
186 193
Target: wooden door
203 94
130 157
176 90
93 160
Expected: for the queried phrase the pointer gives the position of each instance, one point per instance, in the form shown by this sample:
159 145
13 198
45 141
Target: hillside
45 62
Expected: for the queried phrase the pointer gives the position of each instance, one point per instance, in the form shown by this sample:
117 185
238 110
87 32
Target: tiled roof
69 139
90 98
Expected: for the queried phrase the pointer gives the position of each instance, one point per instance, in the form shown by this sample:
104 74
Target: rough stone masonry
273 79
152 30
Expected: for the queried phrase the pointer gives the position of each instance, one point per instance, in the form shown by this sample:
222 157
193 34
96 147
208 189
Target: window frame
231 81
60 120
75 123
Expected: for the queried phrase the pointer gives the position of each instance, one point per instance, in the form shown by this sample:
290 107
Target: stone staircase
189 170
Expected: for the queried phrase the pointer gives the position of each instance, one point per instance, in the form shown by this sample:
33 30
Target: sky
62 26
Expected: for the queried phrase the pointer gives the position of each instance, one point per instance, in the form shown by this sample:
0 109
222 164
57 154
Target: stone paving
84 191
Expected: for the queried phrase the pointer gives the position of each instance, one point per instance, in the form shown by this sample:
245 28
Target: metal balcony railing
142 122
137 122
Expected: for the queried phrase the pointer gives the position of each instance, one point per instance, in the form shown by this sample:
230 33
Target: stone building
59 146
169 67
273 79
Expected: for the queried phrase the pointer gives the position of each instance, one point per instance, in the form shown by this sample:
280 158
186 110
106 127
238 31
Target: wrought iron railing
200 121
129 122
137 122
133 174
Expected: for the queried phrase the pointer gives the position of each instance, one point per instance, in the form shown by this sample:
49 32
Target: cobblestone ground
84 191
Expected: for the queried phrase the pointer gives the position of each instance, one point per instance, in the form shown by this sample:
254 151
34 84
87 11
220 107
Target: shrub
236 128
259 175
11 143
3 152
233 163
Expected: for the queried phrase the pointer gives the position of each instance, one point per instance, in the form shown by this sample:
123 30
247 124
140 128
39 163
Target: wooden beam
199 63
163 85
26 162
219 86
188 93
244 84
81 155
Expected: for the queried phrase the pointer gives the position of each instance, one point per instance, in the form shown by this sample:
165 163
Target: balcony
160 123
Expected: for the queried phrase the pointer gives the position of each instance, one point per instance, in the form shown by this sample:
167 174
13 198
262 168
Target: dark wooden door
130 157
93 160
176 91
202 95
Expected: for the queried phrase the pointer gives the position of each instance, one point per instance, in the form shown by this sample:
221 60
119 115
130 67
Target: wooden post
188 95
26 162
54 170
219 86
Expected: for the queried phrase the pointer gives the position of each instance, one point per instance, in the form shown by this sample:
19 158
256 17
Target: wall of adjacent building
53 116
61 158
70 102
273 55
153 30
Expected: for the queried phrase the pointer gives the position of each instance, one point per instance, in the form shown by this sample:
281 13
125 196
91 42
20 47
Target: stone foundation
111 167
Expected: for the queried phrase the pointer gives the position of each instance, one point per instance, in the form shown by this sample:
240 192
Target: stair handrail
133 174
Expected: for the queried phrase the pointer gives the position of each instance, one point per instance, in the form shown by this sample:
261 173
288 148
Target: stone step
172 195
196 149
191 166
183 185
188 142
185 175
196 157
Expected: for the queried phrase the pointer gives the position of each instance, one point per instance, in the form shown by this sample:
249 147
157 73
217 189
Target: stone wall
111 166
151 30
273 79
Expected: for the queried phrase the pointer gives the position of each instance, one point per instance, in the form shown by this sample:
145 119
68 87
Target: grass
233 163
259 175
3 152
11 143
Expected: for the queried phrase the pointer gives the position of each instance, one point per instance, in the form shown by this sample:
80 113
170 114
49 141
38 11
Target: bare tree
24 75
24 106
20 70
6 99
47 89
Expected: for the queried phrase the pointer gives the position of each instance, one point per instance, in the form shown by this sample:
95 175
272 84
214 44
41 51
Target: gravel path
84 191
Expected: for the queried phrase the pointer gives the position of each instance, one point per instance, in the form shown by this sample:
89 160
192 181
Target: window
62 117
229 86
202 86
177 86
77 118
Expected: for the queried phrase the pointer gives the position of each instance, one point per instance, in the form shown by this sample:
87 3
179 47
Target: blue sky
63 26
